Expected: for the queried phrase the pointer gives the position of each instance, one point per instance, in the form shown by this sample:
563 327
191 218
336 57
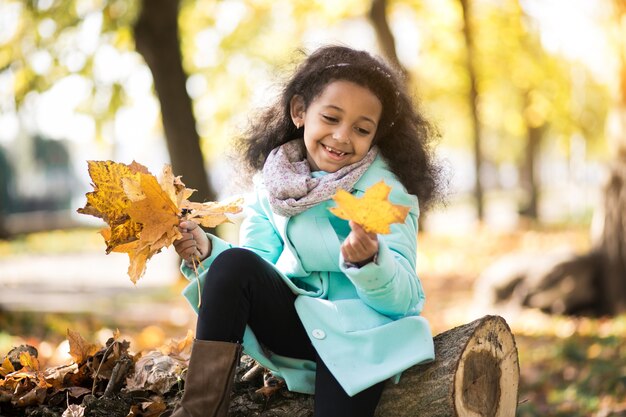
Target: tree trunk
386 40
468 35
529 179
156 37
378 16
3 232
612 242
475 373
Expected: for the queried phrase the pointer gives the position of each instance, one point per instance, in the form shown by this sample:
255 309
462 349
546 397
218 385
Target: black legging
241 288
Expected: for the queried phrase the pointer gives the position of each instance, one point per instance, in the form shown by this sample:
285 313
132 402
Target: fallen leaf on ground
80 349
372 211
156 372
74 411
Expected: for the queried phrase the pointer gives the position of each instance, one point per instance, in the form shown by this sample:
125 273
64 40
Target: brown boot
209 379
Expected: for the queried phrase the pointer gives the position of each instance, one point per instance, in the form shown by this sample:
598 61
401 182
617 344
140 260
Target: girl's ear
297 108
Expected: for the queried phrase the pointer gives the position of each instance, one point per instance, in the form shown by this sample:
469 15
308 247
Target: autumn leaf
211 214
157 212
179 348
6 367
109 202
80 349
142 212
29 362
74 410
373 211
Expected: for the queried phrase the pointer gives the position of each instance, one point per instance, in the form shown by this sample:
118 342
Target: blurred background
529 97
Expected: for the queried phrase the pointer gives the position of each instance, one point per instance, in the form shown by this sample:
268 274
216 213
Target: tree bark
386 40
612 242
475 373
378 16
468 36
156 38
529 181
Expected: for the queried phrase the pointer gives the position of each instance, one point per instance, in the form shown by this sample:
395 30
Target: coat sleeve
258 233
391 285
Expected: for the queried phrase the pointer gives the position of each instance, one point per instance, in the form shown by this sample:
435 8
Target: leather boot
209 379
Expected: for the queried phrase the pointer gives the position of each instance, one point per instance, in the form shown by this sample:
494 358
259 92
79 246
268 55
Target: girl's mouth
334 152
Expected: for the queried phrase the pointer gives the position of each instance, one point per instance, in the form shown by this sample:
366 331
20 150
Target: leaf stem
95 377
195 261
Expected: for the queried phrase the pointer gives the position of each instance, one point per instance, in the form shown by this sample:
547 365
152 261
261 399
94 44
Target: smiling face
339 125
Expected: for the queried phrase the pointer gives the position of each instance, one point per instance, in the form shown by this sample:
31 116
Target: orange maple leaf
109 202
80 349
373 211
142 212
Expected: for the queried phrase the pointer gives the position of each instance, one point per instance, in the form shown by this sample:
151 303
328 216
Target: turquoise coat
364 322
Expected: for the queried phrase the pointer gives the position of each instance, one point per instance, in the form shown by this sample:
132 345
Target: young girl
327 307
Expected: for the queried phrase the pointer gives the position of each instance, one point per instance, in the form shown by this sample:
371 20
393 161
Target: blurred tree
5 197
526 95
157 40
524 90
386 40
476 132
611 244
63 44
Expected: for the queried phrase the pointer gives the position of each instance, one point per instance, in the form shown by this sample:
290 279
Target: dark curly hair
404 136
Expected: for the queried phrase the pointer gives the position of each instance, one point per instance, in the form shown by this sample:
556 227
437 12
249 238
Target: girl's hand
360 247
194 246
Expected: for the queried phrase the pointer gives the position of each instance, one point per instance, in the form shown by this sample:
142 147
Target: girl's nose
341 135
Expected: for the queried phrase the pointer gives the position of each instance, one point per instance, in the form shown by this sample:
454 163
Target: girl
327 307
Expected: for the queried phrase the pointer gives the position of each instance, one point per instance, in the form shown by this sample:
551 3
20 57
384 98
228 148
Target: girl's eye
330 119
362 131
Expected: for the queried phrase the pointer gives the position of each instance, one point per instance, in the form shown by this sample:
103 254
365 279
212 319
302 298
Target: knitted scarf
292 189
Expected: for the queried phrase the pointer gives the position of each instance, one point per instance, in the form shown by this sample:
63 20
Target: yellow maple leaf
6 367
142 212
211 214
108 201
373 211
153 208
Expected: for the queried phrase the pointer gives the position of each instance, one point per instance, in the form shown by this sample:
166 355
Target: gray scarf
292 189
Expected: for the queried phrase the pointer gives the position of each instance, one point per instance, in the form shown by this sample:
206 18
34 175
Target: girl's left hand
360 247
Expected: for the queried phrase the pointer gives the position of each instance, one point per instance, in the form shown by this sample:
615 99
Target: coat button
318 334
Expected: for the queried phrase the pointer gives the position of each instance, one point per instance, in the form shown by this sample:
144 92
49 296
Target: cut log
475 374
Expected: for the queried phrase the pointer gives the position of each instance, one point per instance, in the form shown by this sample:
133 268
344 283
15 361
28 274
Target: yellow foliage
142 212
373 211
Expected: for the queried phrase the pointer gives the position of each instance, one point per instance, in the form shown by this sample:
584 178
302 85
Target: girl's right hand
194 246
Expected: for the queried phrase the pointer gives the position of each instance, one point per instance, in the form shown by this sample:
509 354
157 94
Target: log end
487 377
475 374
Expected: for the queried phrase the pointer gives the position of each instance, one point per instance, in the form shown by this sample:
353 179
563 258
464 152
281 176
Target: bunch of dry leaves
143 212
101 380
112 381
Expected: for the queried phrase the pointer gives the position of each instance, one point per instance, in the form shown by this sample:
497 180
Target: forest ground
570 366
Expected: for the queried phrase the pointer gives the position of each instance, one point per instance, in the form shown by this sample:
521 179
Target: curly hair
404 137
